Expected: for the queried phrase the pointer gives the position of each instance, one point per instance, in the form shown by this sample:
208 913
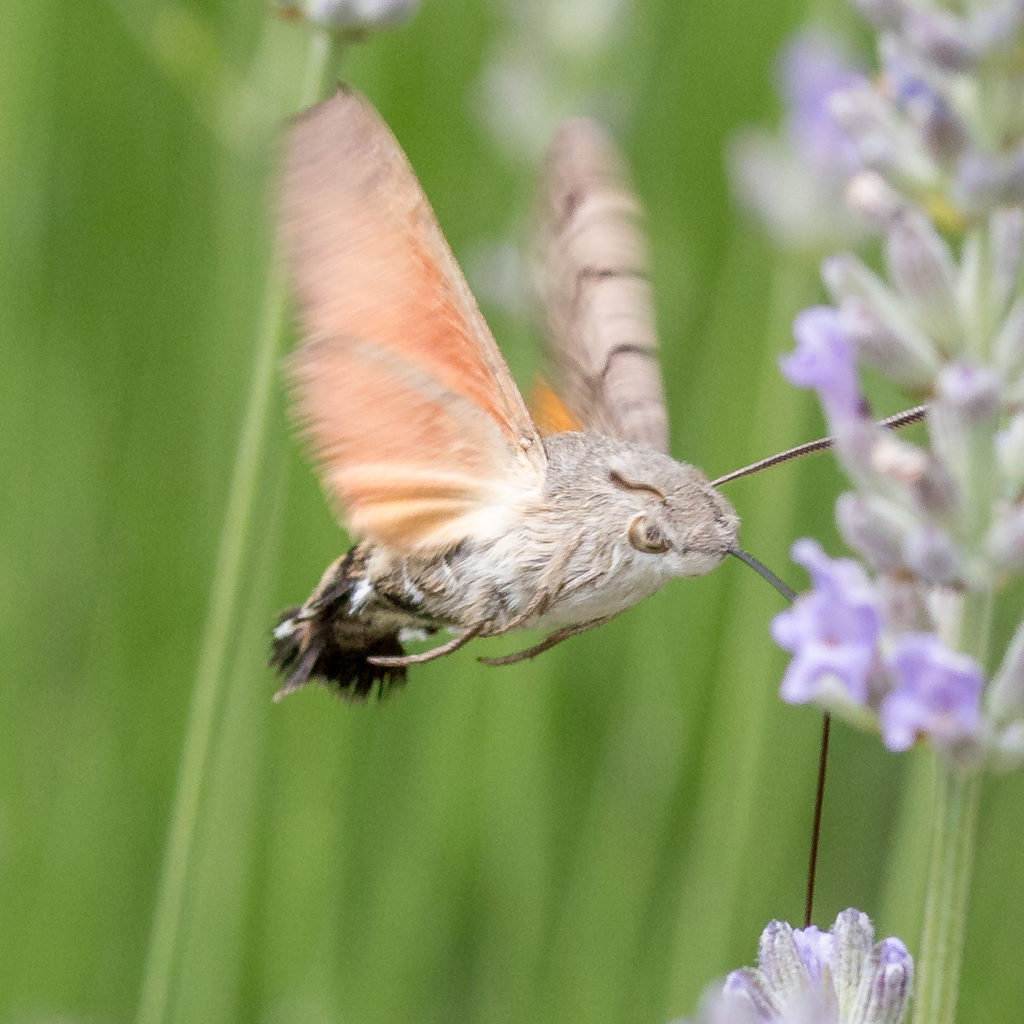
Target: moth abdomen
329 642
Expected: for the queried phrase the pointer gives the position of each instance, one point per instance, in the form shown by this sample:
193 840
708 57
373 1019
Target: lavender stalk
929 155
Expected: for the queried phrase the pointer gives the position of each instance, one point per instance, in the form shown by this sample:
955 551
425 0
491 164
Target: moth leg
552 640
435 652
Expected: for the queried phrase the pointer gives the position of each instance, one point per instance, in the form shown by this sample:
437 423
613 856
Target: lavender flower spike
812 69
937 692
832 632
805 976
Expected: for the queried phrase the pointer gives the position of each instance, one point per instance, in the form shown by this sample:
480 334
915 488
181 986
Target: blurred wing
422 437
593 279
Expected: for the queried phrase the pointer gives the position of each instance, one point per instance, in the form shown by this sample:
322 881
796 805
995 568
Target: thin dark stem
826 728
819 800
901 419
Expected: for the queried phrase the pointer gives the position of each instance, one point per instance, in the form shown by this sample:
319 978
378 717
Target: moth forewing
398 370
455 478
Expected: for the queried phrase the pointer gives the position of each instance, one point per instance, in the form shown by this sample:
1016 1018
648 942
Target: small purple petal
815 948
889 984
824 360
931 554
360 15
937 693
892 952
927 108
972 390
812 69
832 631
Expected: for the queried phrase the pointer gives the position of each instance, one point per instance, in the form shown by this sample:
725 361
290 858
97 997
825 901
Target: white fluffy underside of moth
568 558
612 524
515 582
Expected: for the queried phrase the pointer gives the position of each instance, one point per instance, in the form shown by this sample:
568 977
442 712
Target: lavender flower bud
962 421
885 987
918 474
972 391
1006 539
870 195
794 181
933 557
1005 698
358 16
1008 344
883 14
904 609
1007 748
983 181
994 28
877 345
943 132
922 267
798 206
848 279
813 67
884 140
935 492
899 460
1010 456
779 960
1006 248
852 941
940 129
748 991
874 528
940 37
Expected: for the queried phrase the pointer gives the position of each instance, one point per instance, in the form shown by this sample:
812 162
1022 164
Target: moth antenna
900 419
826 725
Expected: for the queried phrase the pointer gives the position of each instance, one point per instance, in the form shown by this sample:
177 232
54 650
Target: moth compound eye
646 536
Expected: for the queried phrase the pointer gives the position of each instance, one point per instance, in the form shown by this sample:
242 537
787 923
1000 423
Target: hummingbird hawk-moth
475 517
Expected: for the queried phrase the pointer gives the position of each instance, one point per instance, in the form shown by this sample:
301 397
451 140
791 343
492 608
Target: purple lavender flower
348 16
824 360
942 131
972 390
937 693
811 70
805 976
794 181
832 631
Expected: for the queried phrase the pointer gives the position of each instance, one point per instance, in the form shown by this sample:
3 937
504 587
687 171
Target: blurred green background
590 837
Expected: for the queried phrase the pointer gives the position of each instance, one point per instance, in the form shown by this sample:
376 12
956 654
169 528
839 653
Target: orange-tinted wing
422 437
592 275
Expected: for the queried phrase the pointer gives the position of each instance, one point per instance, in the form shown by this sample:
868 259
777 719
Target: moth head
660 516
671 512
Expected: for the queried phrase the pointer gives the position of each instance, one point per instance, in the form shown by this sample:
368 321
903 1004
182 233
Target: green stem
165 934
940 958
